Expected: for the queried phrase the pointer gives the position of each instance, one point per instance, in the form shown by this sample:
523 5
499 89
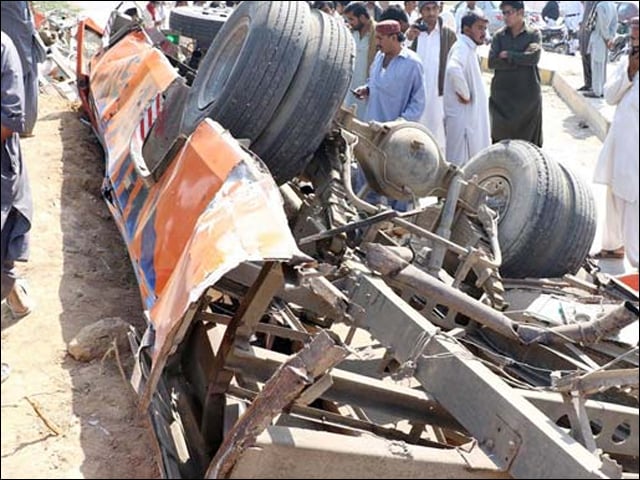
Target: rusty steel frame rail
418 406
351 388
516 435
388 264
300 453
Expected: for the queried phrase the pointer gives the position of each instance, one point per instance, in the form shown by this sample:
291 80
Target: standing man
374 11
16 202
155 14
603 23
411 9
466 109
515 105
17 23
432 43
584 35
397 13
617 165
447 17
463 10
572 13
551 11
394 90
363 31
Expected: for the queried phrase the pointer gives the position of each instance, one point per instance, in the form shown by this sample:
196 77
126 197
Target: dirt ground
79 273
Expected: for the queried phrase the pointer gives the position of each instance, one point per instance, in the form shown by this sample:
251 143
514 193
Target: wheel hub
499 195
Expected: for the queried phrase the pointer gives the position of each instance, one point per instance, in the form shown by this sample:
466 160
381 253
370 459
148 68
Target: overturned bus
294 329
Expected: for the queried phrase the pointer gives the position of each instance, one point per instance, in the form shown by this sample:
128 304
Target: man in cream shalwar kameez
433 42
466 106
618 163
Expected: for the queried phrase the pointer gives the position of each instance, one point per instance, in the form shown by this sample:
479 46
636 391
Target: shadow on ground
98 282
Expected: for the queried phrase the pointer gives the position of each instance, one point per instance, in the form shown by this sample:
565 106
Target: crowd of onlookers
410 64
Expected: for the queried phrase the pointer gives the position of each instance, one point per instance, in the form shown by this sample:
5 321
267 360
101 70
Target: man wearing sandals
617 166
16 192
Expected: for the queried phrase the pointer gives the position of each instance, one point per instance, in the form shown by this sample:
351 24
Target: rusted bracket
596 381
281 390
384 261
585 333
240 328
308 289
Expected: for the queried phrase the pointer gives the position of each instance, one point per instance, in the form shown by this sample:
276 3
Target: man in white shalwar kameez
604 29
466 106
617 166
572 13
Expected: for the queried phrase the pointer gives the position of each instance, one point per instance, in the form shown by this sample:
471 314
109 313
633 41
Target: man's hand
504 55
6 133
412 33
462 100
361 92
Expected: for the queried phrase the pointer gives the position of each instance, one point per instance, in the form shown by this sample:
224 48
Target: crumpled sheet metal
215 206
123 81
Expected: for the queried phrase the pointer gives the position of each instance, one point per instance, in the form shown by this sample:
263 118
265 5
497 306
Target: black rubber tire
580 229
200 23
535 212
316 92
249 67
561 49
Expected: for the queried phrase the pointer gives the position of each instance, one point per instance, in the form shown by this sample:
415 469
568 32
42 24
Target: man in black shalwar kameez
515 105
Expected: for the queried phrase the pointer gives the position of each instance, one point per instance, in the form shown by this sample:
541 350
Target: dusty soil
79 273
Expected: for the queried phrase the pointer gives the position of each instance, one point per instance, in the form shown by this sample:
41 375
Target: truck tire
301 121
534 199
249 67
200 23
580 229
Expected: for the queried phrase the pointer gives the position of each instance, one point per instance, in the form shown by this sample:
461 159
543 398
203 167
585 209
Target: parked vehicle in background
556 37
620 45
201 24
491 10
626 11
